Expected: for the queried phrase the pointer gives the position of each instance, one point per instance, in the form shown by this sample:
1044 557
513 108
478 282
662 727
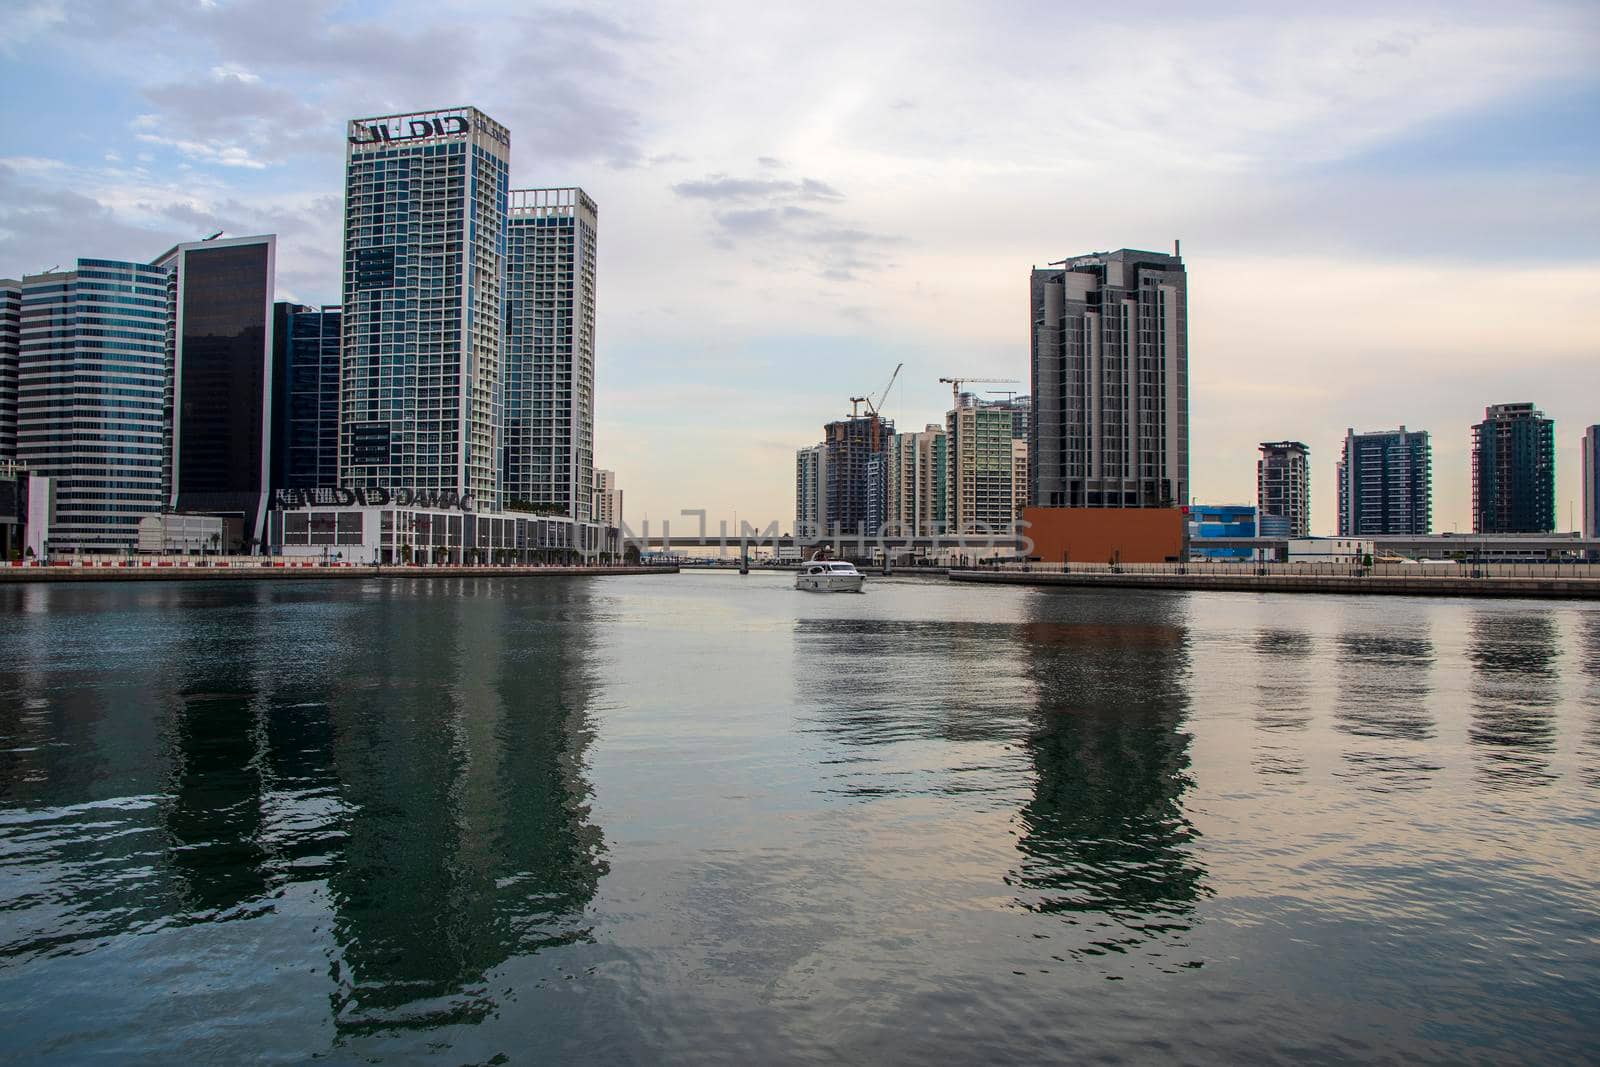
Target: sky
1390 213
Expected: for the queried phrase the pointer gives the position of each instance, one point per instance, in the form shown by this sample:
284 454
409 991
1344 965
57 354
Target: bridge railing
1466 569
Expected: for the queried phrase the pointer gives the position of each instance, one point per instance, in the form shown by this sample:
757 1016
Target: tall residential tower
1591 482
1283 490
1110 382
1386 483
424 265
1514 471
548 443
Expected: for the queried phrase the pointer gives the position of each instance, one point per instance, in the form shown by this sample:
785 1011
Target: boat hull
829 583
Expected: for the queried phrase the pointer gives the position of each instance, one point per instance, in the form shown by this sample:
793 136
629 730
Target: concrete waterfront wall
311 572
1288 582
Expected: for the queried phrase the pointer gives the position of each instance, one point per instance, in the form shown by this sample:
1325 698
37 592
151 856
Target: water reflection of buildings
1283 699
469 840
1588 641
1106 844
1384 689
1515 690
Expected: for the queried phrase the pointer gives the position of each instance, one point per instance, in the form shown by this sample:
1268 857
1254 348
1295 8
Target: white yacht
829 576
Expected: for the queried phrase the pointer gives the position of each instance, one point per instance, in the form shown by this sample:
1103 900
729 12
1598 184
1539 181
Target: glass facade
305 452
1283 489
984 491
548 451
10 343
91 405
424 262
221 370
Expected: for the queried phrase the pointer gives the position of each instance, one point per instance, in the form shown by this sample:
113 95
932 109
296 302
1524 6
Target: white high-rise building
548 455
918 482
607 498
424 264
1591 481
811 491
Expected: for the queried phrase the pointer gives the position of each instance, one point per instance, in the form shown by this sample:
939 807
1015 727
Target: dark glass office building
220 342
305 430
1514 471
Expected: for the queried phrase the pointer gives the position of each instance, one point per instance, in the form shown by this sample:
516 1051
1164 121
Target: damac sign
374 498
394 131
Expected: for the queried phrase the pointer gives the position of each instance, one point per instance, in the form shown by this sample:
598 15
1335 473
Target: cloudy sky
1390 212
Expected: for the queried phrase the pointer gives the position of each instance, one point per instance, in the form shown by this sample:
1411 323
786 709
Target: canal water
706 818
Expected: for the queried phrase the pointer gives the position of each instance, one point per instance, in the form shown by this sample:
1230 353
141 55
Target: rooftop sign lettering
419 127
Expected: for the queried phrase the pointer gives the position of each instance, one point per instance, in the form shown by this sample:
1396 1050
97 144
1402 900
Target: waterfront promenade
255 570
1556 580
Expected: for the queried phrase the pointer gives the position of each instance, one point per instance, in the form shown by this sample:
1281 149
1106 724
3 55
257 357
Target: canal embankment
235 571
1567 582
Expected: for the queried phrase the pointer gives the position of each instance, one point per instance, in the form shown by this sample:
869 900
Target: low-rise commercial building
1213 521
1352 550
181 535
376 526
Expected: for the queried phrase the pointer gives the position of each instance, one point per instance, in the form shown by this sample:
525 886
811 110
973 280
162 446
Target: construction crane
956 383
855 406
873 408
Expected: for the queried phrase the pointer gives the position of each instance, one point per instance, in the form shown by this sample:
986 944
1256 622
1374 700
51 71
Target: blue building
1220 520
305 452
92 407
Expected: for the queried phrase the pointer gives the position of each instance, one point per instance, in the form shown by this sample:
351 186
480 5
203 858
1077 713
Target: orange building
1106 535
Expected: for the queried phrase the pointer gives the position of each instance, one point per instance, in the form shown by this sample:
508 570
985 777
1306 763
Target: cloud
721 187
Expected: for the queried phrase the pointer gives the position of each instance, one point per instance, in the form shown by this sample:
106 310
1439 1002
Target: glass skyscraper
220 355
424 264
91 407
305 453
548 445
10 342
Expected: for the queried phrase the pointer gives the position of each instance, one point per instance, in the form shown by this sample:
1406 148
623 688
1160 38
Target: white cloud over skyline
1388 214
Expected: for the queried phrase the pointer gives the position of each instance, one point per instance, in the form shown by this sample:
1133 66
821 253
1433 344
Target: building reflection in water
1105 842
1283 699
1515 692
1588 642
460 747
1384 688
